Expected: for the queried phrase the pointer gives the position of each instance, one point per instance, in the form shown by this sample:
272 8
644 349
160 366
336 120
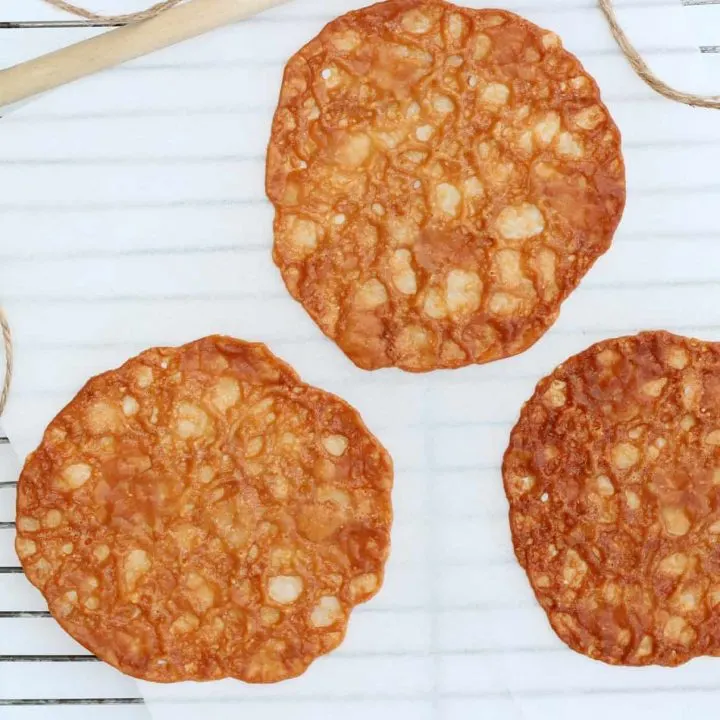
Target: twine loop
7 345
643 69
82 12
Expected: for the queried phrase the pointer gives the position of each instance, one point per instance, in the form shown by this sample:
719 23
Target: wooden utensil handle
118 46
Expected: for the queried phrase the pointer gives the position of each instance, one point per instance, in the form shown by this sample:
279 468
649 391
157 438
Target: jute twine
151 12
7 344
644 71
638 64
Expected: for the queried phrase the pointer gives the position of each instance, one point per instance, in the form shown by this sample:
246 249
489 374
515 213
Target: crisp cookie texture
201 513
443 178
613 478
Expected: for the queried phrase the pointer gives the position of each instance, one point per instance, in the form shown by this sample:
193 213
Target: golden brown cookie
613 478
443 178
201 513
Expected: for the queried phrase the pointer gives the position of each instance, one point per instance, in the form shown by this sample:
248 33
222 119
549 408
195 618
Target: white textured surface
132 214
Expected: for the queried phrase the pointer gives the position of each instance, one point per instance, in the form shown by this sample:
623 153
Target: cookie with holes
443 178
201 513
613 478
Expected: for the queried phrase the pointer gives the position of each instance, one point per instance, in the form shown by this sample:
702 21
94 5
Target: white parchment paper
132 214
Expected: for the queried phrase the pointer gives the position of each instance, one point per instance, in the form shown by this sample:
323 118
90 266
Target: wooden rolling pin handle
126 43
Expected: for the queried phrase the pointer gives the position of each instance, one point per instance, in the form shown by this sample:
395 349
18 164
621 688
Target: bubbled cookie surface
201 513
443 178
613 478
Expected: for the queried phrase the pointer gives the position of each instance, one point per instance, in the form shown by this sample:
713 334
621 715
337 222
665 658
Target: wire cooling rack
66 681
